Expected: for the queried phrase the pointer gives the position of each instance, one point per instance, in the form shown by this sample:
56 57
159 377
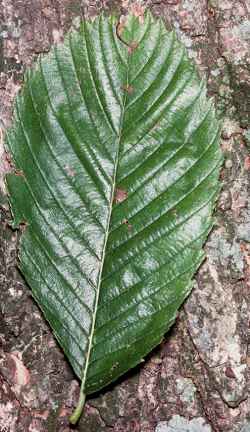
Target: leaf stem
78 410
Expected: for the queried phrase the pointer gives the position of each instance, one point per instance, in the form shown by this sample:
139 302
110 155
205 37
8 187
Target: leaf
117 155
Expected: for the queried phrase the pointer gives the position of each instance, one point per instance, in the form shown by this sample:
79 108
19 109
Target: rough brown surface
198 380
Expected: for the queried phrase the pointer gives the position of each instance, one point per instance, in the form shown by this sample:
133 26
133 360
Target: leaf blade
110 273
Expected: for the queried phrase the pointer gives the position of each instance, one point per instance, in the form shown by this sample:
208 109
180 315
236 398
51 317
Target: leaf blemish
128 88
19 173
70 171
132 47
115 365
120 195
125 222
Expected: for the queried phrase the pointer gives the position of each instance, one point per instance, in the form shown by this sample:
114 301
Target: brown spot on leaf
132 47
70 171
125 221
115 365
128 88
120 195
19 173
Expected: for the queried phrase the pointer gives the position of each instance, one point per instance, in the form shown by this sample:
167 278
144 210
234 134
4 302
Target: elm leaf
116 151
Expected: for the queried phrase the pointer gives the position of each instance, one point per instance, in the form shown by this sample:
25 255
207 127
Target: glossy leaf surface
117 159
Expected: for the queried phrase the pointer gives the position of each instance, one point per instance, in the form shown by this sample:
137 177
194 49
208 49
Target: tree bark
198 379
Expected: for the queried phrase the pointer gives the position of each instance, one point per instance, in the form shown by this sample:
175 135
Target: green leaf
117 159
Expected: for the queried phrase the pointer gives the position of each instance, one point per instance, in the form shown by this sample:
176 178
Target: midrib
81 402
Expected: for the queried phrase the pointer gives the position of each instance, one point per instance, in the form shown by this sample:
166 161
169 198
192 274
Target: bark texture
198 380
